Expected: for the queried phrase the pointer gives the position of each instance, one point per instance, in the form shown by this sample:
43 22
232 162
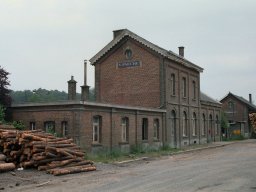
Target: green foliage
43 95
2 113
234 138
5 98
18 125
224 121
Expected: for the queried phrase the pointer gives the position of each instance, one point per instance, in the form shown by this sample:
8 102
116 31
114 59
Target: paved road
229 168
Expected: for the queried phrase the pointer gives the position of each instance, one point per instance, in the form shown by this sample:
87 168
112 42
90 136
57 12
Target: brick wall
134 86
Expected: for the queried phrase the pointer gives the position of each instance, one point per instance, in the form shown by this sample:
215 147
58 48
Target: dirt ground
228 168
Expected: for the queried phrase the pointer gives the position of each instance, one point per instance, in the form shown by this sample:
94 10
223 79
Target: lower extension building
145 95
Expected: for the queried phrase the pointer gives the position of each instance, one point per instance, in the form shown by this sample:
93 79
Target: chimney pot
181 51
250 98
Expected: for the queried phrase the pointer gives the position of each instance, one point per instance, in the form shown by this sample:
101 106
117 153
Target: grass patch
106 156
234 138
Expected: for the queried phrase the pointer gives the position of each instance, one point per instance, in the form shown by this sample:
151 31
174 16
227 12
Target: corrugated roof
165 53
243 100
204 97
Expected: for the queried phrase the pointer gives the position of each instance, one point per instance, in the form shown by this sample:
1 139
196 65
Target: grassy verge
136 152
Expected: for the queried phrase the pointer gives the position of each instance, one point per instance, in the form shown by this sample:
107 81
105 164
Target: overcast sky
44 42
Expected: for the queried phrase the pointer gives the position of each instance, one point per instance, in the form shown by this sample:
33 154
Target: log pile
252 117
57 156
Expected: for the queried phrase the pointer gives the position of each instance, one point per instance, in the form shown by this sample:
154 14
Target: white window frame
96 129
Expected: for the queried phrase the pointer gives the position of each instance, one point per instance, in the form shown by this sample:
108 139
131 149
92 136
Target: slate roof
243 100
206 98
165 53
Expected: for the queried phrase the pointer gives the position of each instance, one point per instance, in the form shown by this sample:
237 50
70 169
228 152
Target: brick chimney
85 88
72 89
250 98
181 51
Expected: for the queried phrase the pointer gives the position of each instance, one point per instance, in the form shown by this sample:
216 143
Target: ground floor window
64 127
203 125
184 124
32 126
97 129
49 127
156 129
194 124
144 129
125 126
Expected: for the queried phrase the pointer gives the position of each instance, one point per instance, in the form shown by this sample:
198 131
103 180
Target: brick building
145 95
237 110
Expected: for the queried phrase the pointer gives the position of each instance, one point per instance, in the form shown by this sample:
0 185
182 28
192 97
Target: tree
5 98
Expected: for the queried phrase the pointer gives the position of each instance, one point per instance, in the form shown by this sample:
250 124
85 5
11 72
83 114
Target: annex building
145 95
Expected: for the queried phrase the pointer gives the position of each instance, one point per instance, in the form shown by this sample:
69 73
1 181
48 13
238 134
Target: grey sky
44 42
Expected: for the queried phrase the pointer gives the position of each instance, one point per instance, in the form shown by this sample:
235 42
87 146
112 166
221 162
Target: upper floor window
96 129
194 89
125 131
156 129
173 84
144 129
184 87
231 106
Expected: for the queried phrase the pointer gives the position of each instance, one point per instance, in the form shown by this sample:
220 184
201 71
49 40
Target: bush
18 125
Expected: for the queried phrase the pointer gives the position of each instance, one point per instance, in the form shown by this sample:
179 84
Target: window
64 127
194 89
173 122
32 126
128 53
210 124
49 127
194 124
203 125
125 125
156 129
96 129
231 106
184 87
173 84
184 124
144 129
216 125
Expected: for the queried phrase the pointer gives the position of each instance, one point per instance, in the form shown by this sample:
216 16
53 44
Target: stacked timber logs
252 117
57 156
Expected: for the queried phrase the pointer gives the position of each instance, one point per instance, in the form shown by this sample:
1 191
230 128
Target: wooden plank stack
252 117
57 156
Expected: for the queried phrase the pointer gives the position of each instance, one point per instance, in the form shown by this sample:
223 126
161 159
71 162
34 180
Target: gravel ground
228 168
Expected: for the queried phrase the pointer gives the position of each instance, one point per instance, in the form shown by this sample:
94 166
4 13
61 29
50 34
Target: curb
175 153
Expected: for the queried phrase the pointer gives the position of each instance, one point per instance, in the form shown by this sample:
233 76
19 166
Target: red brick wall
134 86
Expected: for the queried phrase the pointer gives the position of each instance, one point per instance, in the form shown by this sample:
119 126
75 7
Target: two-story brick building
145 95
237 110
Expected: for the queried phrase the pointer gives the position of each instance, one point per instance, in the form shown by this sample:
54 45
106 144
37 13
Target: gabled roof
243 100
206 98
165 53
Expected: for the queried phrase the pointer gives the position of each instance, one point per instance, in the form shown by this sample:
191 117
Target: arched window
125 129
231 106
173 86
217 125
184 124
173 122
184 87
203 124
194 89
210 124
156 129
194 124
144 129
97 123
